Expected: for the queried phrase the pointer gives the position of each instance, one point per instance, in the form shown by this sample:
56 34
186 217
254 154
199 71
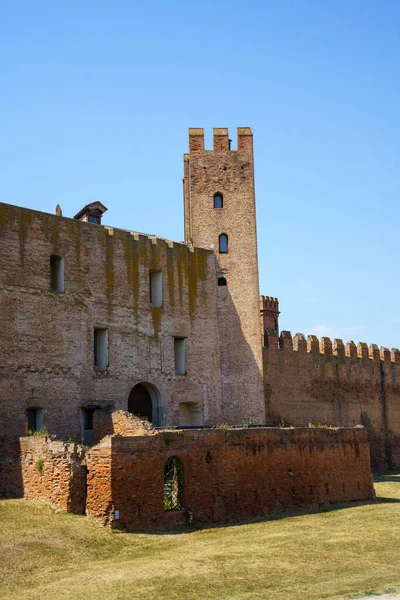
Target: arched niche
145 401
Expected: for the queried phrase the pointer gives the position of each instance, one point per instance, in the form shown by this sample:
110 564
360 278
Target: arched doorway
145 402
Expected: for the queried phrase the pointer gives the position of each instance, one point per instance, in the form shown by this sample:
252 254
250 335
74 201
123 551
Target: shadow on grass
389 476
334 507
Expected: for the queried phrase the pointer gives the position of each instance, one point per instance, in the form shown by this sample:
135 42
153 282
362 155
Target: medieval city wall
46 342
228 474
324 383
41 468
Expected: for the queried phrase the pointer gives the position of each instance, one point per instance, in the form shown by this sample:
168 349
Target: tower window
221 281
100 348
155 283
223 243
56 273
180 355
218 200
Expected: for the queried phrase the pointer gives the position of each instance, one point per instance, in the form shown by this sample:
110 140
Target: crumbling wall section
40 468
119 422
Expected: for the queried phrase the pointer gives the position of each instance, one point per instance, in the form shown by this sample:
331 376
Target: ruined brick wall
46 342
119 422
11 484
40 468
312 381
228 474
230 173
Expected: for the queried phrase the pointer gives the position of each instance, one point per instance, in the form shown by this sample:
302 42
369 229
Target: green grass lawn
346 550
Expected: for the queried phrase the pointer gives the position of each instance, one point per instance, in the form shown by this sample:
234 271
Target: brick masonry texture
230 173
119 422
228 474
315 381
47 362
41 468
46 342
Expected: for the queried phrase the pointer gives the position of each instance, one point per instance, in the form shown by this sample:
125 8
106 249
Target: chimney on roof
91 213
58 211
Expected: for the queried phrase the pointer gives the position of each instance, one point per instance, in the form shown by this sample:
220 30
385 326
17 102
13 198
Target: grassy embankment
326 555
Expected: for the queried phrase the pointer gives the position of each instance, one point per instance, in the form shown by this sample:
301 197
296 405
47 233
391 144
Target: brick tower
269 308
220 214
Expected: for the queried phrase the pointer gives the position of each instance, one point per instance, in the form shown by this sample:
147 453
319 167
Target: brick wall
315 381
40 468
228 474
119 422
46 341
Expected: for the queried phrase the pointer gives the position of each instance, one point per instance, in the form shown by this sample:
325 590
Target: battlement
269 303
313 345
221 141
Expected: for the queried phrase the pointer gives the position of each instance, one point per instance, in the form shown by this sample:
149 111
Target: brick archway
145 401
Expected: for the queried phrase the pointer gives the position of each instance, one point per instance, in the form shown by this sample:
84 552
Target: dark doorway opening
139 402
87 415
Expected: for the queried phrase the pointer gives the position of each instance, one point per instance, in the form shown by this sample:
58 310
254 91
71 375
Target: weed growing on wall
40 465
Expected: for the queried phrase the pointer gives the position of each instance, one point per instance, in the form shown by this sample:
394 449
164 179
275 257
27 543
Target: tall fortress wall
324 383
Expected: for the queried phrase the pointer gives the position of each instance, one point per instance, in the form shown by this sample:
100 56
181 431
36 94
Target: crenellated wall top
313 345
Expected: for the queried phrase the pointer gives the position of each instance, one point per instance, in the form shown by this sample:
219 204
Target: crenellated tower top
220 214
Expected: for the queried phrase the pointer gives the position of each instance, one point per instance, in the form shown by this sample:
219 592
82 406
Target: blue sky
96 99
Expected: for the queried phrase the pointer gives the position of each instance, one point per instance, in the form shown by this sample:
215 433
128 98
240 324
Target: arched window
218 200
223 243
221 281
173 484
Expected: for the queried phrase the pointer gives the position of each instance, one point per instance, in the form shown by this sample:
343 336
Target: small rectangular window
100 348
34 420
87 414
56 273
180 355
156 292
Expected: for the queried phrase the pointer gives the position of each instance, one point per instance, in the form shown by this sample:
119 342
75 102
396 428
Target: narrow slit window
100 348
218 200
156 292
221 281
180 355
87 418
173 484
56 273
223 243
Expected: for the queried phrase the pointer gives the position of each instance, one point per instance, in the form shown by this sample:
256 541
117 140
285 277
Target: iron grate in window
173 484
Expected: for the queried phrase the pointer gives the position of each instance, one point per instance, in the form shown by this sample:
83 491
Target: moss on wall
25 222
109 267
6 216
156 314
75 235
181 258
171 276
197 272
131 250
